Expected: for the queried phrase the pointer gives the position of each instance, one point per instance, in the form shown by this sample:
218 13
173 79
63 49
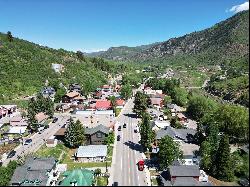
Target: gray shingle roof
100 127
182 134
185 181
184 171
33 169
92 151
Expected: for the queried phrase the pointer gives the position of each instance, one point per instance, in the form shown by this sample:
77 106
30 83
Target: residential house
75 88
77 177
120 103
16 130
91 153
179 135
51 141
59 135
157 102
41 118
36 172
157 125
58 68
183 176
174 108
96 135
103 105
69 97
181 118
48 92
18 121
7 110
188 160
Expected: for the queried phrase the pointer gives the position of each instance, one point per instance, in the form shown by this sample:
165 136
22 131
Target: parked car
119 128
141 165
118 138
11 154
54 120
40 129
124 125
135 130
28 141
115 184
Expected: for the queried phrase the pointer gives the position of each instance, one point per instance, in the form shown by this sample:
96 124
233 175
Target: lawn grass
76 165
51 151
101 181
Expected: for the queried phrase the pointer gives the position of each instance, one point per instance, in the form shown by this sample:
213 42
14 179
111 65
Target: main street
127 151
37 139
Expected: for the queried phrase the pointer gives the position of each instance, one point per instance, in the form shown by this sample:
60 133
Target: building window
99 135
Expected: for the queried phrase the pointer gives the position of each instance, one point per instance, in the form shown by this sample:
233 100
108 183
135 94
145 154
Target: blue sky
91 25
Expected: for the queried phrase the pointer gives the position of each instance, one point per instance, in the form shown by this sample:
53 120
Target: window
99 135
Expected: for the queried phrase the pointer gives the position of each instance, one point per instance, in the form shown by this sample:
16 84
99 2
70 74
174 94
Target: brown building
96 135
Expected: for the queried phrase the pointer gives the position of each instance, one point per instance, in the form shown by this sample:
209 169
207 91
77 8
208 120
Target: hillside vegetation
25 66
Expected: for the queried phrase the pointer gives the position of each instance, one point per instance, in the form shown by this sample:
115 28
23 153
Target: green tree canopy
75 134
169 150
126 91
146 132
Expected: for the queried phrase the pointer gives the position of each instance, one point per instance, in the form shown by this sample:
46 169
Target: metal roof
184 171
92 151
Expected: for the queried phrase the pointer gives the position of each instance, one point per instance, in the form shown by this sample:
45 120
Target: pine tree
74 134
224 169
206 159
9 36
146 132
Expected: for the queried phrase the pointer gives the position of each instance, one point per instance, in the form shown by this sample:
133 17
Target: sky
94 25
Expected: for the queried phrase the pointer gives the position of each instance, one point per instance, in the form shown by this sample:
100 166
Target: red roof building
120 102
103 105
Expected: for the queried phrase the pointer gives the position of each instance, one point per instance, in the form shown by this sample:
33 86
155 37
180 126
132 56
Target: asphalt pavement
127 152
37 139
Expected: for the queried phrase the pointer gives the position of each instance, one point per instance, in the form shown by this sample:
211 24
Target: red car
141 165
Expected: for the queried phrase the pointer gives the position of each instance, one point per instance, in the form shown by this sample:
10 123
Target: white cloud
239 8
93 50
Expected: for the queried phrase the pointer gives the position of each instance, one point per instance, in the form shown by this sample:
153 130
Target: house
58 67
103 105
75 88
174 108
179 135
91 153
18 121
156 102
41 118
157 125
16 130
188 160
120 103
69 97
183 176
36 172
51 141
7 110
77 177
96 135
106 88
48 92
59 135
181 118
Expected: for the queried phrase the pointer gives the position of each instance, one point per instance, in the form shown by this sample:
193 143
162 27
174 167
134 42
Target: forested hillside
25 66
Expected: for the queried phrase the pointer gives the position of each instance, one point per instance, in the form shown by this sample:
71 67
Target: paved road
127 155
38 139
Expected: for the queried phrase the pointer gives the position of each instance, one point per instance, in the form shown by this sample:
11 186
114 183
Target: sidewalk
146 170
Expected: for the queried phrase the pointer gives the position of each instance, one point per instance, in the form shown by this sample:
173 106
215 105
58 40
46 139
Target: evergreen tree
224 169
206 159
59 93
126 91
74 134
141 102
168 152
146 132
199 137
32 122
9 36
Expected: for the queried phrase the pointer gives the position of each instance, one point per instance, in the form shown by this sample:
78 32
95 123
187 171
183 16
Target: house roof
106 86
72 94
186 181
103 104
17 130
156 101
100 128
60 132
16 119
120 102
180 115
40 117
184 171
34 169
82 177
92 151
8 107
183 134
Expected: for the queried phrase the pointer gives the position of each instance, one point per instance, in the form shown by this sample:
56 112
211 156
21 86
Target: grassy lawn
101 181
73 165
51 151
